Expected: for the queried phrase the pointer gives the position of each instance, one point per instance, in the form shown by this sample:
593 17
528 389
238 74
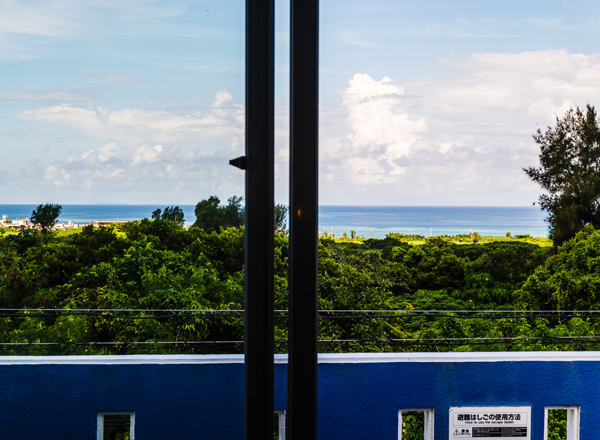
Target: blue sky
422 103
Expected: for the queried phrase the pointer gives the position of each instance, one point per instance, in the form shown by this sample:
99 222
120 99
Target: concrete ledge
324 358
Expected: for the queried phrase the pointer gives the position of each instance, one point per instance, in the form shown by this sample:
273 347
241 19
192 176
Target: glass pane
413 425
116 111
276 426
116 426
121 103
434 103
557 424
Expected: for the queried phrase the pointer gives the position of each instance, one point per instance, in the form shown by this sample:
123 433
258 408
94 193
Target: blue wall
201 397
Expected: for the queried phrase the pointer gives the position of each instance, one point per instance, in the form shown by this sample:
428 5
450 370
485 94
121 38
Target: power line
405 341
322 314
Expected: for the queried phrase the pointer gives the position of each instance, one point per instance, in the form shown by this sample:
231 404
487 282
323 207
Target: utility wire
404 341
322 314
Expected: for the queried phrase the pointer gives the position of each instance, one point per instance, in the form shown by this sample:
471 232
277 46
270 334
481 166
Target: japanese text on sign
496 422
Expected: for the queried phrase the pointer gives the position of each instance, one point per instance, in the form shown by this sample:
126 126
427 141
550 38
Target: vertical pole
259 271
304 101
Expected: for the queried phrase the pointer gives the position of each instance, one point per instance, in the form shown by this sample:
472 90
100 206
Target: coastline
337 219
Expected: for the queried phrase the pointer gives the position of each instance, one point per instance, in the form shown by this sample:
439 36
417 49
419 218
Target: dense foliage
169 275
211 216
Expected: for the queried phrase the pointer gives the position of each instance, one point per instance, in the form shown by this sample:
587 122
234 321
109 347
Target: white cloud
108 151
461 138
223 97
377 118
141 174
148 153
381 130
58 177
149 125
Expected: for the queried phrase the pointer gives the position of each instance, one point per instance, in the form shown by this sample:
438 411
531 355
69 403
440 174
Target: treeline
173 278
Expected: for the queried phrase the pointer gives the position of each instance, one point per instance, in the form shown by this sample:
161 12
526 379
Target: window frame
280 413
429 425
573 416
100 423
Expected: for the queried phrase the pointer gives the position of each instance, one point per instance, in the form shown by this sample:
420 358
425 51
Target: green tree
233 213
156 214
280 212
171 213
569 280
209 215
569 173
474 237
45 216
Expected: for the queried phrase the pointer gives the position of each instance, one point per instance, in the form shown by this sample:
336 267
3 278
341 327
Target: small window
561 423
415 424
279 424
115 425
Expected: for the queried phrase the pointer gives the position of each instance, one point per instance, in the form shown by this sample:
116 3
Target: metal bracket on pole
239 162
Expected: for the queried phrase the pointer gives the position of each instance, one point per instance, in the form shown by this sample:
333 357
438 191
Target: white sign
490 422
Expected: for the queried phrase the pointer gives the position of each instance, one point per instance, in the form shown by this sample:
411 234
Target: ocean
375 221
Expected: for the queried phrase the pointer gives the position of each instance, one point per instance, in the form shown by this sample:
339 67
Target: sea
366 221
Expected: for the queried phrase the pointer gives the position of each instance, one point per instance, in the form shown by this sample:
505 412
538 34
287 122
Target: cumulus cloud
381 130
148 152
146 125
223 97
143 173
376 116
58 177
523 81
452 136
108 151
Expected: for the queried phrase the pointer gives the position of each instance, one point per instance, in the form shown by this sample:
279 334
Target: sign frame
489 422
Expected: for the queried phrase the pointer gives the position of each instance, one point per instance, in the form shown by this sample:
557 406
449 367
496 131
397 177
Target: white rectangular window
115 425
415 424
279 424
561 423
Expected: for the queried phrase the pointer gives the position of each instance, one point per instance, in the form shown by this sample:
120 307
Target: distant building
63 226
14 224
24 224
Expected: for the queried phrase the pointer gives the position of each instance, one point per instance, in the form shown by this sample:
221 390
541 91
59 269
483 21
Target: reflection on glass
557 424
413 425
116 427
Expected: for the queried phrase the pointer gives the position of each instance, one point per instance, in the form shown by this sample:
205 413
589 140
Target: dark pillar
303 299
259 164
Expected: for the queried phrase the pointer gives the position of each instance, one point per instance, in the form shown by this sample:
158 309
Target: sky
421 103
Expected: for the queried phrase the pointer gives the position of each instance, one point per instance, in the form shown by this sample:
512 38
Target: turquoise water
421 220
432 220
